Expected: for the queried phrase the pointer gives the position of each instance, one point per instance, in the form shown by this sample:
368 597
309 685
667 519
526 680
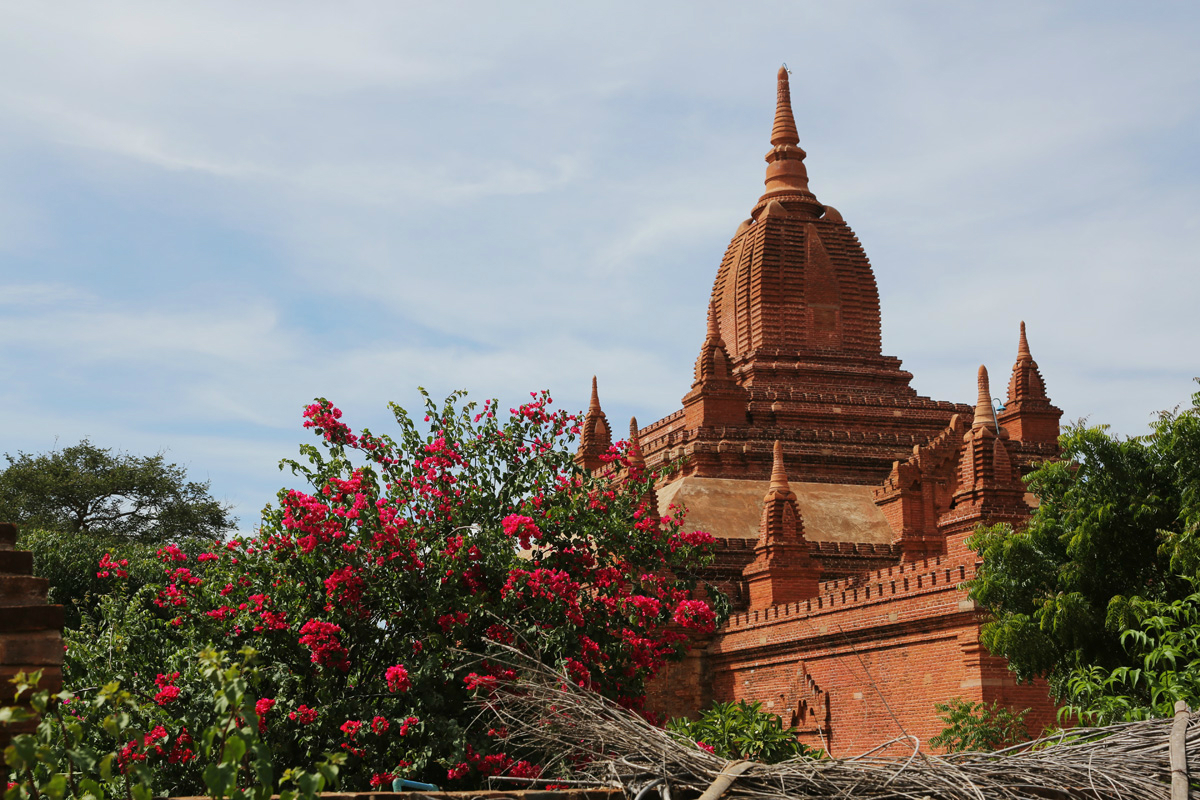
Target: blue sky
211 213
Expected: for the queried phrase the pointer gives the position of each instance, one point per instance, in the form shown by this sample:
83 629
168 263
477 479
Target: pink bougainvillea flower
397 679
168 692
696 615
262 707
304 715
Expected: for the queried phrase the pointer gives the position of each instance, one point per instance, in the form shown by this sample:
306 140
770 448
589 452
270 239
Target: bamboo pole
1178 747
728 775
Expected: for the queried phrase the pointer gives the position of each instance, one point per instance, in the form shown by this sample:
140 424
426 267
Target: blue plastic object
400 784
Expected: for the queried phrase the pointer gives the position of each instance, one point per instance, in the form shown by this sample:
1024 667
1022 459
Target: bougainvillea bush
362 593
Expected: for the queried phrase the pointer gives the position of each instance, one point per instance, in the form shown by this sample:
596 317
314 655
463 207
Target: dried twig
593 739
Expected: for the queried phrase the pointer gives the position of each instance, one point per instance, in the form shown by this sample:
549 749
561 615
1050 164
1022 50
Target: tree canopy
1115 537
88 489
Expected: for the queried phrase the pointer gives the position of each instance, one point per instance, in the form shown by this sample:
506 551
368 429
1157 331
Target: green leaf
90 789
235 748
219 779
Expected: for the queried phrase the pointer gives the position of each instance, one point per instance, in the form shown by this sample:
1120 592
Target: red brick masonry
851 621
30 630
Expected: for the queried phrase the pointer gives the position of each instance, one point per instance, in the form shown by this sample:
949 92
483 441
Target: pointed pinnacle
779 479
714 331
635 445
1023 347
784 129
983 406
594 405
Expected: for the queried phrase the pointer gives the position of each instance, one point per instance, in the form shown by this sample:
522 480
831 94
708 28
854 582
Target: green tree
88 489
1163 645
978 727
1116 530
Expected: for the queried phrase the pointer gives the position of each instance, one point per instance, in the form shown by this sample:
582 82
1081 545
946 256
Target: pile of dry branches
595 741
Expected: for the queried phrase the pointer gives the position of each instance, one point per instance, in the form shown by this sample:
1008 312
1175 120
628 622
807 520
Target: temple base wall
860 664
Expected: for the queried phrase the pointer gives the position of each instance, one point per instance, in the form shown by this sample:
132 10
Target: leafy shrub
363 592
978 727
90 748
71 562
742 731
1162 640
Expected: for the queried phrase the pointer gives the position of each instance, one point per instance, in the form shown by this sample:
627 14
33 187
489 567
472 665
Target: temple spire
783 570
988 487
715 399
784 130
1028 414
635 446
779 480
713 334
595 437
983 405
713 362
594 405
637 470
1026 383
787 178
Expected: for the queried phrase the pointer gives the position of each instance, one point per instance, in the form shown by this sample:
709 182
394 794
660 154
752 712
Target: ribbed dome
795 278
794 284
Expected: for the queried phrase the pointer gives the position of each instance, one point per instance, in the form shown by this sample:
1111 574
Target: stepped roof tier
793 351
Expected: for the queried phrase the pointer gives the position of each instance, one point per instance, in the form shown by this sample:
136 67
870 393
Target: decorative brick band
880 585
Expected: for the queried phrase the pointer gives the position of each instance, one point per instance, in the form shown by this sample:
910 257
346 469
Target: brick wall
683 688
862 662
30 630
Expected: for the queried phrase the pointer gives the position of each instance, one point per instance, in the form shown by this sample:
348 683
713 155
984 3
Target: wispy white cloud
146 337
210 214
33 296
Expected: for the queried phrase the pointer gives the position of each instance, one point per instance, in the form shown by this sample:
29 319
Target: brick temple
840 498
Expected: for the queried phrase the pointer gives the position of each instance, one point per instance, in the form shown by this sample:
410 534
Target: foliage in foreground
363 593
978 727
91 747
1164 647
742 731
1114 538
85 489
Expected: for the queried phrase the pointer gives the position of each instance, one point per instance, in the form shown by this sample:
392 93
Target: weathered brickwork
882 648
30 630
851 627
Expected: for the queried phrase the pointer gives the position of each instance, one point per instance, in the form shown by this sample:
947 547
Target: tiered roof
791 369
792 352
